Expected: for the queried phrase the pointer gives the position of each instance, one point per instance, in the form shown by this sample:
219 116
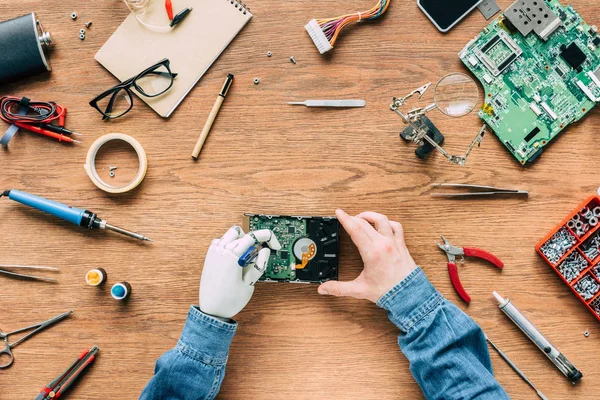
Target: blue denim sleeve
447 350
195 368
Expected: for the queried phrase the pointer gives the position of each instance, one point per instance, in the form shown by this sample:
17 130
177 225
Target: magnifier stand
424 133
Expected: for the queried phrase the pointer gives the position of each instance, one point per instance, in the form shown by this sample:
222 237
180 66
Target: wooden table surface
263 156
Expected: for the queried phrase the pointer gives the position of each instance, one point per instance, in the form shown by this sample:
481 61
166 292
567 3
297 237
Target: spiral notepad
192 46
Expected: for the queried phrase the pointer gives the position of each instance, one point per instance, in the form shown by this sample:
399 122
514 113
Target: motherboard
309 247
539 64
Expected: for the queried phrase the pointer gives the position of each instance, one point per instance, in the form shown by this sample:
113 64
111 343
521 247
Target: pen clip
226 85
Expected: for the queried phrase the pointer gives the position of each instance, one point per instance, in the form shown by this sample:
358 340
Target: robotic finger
267 236
257 267
241 246
234 233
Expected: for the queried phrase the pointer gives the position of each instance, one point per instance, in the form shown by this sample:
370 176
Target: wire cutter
453 251
36 328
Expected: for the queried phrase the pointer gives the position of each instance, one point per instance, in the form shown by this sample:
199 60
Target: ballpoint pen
212 116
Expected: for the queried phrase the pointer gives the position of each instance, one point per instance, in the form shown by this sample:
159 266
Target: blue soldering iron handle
62 211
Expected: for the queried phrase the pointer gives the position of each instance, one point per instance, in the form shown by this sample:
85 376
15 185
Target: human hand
225 286
383 251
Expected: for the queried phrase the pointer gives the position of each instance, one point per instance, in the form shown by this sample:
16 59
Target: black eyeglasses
151 82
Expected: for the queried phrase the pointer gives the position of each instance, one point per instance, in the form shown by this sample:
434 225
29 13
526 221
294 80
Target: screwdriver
70 214
516 369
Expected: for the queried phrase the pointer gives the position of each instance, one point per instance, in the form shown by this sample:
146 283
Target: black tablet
446 13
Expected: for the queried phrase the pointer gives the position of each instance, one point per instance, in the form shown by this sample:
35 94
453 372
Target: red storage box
572 249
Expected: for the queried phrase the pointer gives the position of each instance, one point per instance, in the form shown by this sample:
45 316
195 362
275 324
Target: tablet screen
446 13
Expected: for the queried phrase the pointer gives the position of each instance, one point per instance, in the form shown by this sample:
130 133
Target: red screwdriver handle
453 271
472 252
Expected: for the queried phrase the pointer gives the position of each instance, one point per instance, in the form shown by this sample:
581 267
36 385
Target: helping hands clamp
420 135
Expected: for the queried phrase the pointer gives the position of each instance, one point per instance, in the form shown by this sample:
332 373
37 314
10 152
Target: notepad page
192 46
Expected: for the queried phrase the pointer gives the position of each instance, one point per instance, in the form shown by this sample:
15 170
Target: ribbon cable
13 129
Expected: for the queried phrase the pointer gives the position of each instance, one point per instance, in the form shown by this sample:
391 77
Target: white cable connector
318 37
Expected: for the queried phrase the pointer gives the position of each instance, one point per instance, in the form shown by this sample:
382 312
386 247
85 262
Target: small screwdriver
74 215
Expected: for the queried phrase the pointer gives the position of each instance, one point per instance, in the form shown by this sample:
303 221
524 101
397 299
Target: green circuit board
540 73
296 235
281 263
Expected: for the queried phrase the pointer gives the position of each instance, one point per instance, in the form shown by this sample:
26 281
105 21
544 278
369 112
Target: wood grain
266 157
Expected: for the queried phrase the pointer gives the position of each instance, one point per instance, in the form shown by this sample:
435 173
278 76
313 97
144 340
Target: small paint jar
95 277
120 290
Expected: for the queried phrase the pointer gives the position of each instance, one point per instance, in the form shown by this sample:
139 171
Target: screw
256 81
88 24
293 60
73 15
269 54
112 168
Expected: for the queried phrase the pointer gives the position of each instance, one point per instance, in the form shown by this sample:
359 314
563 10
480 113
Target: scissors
36 328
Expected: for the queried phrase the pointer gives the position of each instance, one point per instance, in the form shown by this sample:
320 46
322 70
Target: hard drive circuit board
309 247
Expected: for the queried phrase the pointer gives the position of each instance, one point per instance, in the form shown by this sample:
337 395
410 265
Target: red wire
9 107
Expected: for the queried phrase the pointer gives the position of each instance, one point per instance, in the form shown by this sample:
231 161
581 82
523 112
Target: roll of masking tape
90 163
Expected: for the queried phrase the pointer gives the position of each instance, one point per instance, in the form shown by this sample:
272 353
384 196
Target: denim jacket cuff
411 300
205 338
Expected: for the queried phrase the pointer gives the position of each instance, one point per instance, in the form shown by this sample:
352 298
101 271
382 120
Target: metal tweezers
23 276
476 190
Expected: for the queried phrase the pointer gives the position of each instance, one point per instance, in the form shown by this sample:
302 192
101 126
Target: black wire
5 193
49 109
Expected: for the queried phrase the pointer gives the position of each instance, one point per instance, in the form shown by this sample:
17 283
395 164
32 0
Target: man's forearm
195 368
446 349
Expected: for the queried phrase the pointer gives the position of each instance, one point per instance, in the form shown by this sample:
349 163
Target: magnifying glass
456 95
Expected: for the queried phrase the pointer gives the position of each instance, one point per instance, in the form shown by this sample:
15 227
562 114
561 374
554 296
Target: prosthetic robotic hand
226 286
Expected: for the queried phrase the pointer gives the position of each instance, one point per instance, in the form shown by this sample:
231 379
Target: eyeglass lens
155 82
115 104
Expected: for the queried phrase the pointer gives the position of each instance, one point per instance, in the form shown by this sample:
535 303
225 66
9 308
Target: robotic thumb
257 268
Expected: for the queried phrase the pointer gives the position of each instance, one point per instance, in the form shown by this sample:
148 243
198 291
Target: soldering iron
77 216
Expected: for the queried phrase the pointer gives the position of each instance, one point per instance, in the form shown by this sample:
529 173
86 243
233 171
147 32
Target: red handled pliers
452 252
